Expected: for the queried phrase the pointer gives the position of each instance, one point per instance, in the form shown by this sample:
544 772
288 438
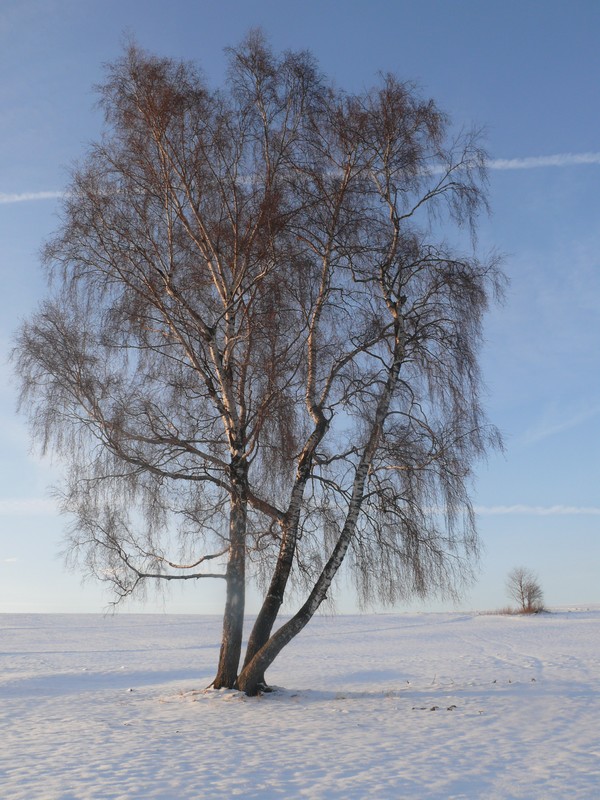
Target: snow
375 706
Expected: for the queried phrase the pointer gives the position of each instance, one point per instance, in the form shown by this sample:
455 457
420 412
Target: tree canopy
259 354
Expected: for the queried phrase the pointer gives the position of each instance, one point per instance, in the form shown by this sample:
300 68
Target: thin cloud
550 427
27 506
8 560
538 511
28 197
535 162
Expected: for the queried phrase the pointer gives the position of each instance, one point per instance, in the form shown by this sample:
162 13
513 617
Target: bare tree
258 354
523 586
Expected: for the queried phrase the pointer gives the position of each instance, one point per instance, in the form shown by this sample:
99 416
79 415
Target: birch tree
524 587
259 354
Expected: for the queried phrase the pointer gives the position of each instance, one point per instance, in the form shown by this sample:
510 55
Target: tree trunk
233 617
267 615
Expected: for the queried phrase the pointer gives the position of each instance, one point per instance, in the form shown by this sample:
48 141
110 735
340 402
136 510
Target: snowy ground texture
381 706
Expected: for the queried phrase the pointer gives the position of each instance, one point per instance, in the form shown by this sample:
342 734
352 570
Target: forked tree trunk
251 679
252 676
267 615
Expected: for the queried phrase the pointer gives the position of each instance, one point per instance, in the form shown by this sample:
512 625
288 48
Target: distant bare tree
523 586
257 353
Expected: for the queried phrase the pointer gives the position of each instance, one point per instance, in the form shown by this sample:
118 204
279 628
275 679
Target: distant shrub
507 611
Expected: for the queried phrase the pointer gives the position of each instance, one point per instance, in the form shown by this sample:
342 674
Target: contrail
28 197
530 162
534 162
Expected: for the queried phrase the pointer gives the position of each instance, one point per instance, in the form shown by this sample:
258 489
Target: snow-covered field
379 706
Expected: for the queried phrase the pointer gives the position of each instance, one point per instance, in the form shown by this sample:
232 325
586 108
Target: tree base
255 689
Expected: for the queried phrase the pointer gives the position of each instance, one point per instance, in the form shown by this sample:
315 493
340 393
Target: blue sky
527 72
